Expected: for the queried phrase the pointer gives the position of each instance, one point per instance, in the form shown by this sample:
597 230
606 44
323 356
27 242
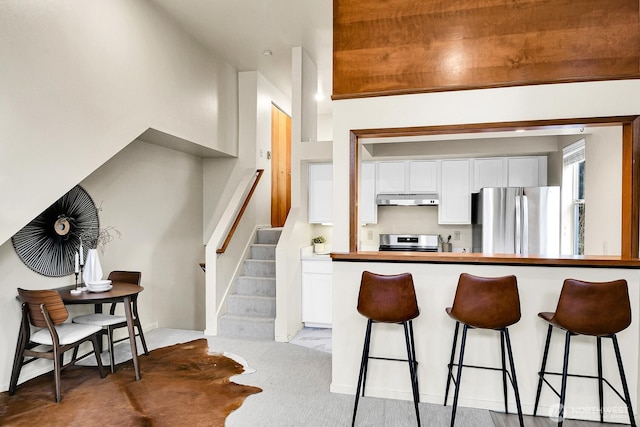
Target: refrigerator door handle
518 248
525 226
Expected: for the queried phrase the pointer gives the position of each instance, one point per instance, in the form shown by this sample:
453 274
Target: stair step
262 251
247 327
259 268
249 305
268 235
257 286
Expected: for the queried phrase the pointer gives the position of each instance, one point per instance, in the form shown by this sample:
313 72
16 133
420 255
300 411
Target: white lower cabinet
316 292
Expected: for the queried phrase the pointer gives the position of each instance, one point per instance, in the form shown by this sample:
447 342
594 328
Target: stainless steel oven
409 242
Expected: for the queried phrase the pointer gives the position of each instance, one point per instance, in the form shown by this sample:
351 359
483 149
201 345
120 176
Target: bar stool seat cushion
486 302
592 308
387 298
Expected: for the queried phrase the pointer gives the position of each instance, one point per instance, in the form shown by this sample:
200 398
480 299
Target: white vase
92 268
318 248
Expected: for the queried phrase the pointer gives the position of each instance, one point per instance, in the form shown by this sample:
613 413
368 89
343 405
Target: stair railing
240 213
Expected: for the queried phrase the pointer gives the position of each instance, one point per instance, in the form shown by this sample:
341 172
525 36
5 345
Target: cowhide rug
181 385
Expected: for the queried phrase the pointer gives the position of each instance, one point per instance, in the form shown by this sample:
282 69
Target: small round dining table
120 292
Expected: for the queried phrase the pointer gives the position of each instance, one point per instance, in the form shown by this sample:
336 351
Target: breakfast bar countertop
479 258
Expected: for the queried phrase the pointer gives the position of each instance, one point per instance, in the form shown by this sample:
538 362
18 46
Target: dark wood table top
119 291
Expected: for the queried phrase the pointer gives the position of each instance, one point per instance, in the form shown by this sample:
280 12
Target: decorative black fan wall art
47 244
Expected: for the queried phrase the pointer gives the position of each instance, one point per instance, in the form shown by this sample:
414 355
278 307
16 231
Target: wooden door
280 166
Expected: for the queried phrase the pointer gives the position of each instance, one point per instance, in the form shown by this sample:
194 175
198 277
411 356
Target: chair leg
542 369
565 368
459 375
112 356
623 378
412 368
141 334
513 377
504 373
600 382
18 361
56 371
363 367
450 366
96 351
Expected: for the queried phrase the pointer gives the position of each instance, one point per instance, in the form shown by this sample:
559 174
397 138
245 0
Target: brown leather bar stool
599 309
388 299
485 303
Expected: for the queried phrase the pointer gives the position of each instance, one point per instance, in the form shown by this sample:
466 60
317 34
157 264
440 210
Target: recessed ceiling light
267 52
520 130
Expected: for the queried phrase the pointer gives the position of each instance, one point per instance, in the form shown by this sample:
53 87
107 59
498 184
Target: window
573 176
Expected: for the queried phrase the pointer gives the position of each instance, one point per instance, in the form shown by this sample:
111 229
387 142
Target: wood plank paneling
400 46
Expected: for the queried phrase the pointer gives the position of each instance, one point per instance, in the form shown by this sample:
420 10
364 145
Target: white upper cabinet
455 193
390 177
490 172
422 176
367 209
527 171
320 193
410 176
530 171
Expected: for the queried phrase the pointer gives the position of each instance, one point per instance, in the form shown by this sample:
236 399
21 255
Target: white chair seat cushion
67 333
99 319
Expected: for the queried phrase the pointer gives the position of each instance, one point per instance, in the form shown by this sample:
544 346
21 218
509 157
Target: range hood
419 199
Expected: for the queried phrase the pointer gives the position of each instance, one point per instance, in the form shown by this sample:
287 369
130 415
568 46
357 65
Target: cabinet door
455 194
320 193
523 172
489 173
367 209
390 177
423 176
317 293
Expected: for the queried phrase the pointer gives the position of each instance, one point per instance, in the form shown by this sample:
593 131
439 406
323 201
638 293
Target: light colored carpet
295 382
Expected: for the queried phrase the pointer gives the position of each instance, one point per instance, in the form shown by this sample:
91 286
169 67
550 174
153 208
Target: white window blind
573 153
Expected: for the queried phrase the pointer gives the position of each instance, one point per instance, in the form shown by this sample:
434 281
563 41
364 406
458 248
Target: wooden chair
109 322
44 309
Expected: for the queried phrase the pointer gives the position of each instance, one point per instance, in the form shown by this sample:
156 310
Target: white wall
81 80
160 239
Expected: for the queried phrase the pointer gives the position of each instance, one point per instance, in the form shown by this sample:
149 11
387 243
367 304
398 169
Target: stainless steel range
409 242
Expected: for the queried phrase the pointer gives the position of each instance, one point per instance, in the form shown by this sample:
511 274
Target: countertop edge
603 261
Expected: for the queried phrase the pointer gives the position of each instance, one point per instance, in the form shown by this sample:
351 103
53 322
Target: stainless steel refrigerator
516 220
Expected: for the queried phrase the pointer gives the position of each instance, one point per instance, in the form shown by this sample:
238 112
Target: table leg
132 336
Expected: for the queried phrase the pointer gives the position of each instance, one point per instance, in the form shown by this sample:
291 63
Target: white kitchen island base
539 288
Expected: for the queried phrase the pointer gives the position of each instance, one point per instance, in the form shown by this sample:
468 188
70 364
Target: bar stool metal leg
363 368
563 389
514 380
542 369
600 388
450 366
458 375
412 368
504 373
623 379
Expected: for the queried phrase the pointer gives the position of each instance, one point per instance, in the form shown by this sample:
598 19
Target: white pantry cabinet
316 292
320 193
455 193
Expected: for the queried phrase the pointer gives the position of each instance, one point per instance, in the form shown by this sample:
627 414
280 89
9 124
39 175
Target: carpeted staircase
252 309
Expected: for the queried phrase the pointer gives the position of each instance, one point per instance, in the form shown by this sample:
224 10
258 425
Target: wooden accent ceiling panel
401 46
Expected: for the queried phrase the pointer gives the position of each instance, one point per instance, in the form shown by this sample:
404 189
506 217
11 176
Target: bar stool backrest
593 308
387 298
486 302
52 301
